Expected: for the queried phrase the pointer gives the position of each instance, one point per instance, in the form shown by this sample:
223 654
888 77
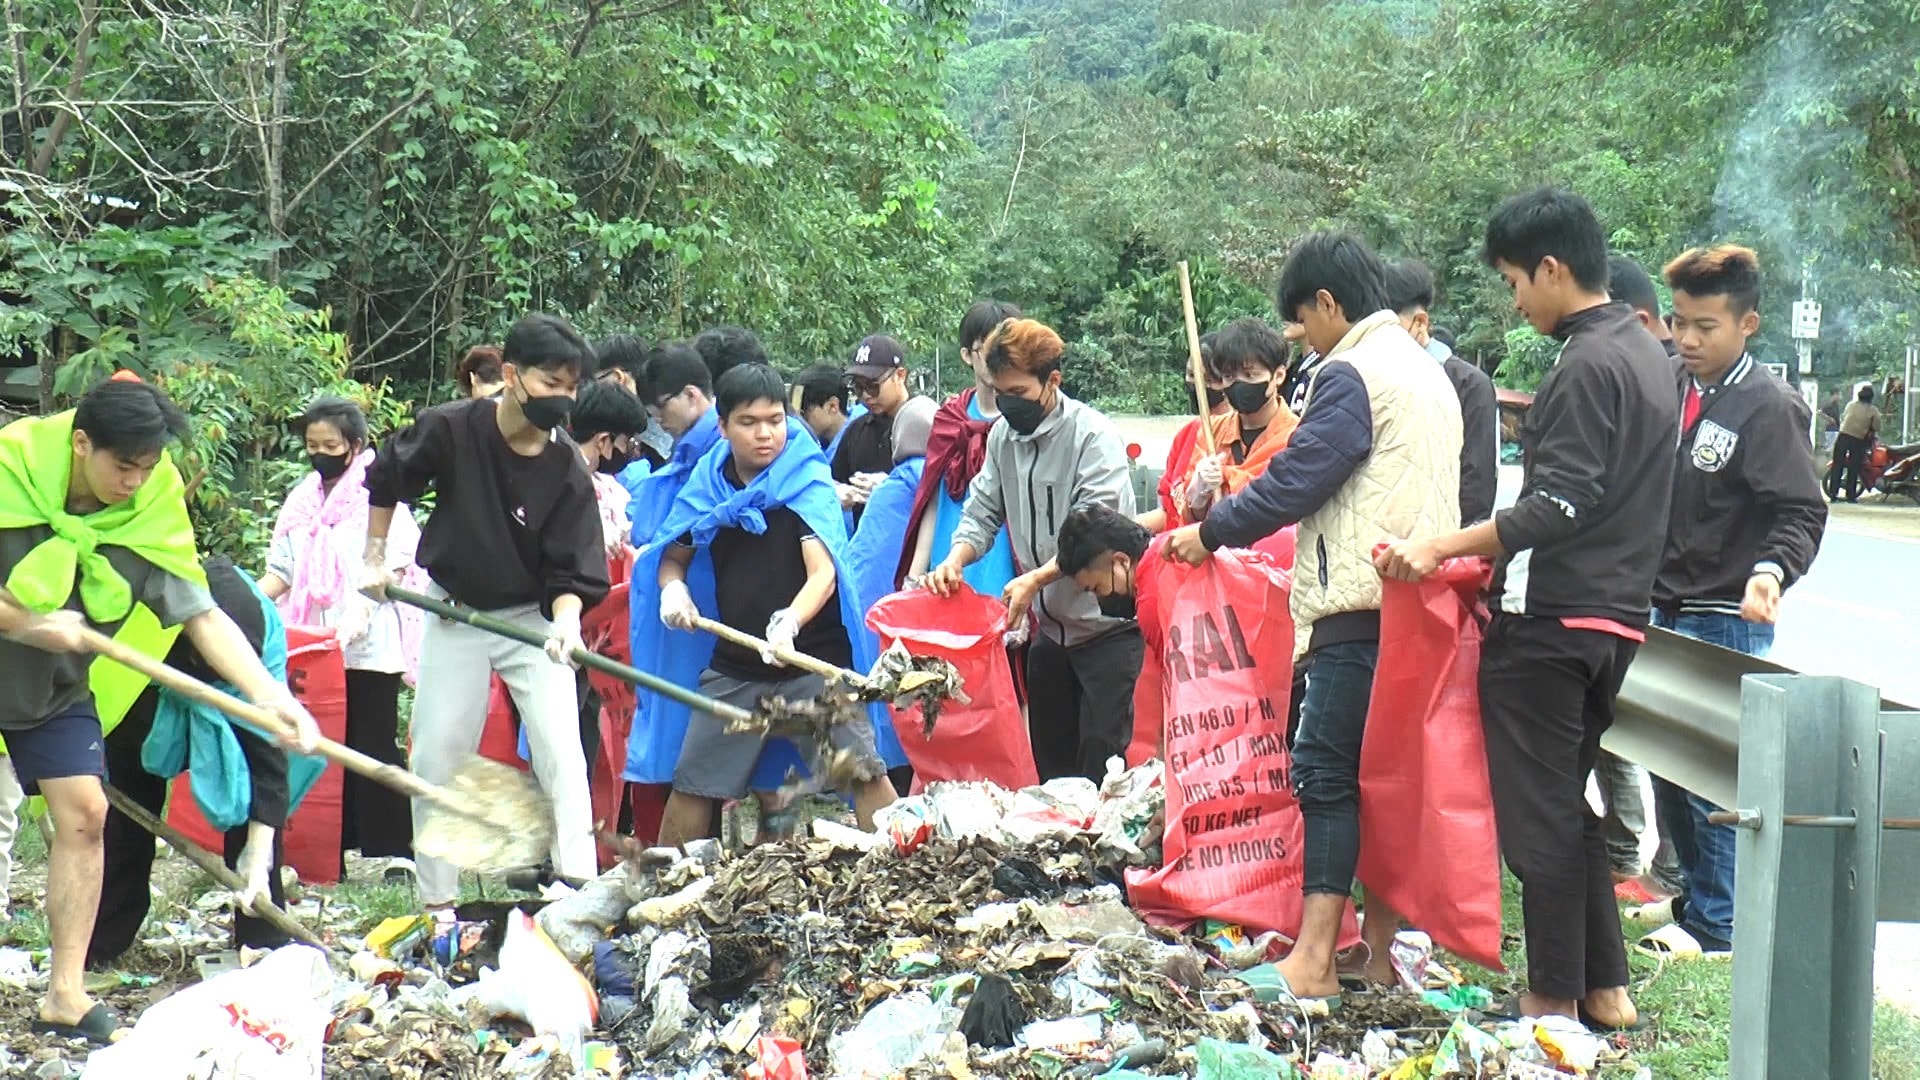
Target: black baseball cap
876 357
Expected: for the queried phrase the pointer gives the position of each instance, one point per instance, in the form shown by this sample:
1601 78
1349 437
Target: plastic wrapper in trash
1464 1052
673 1015
994 1015
907 822
673 908
1376 1050
1102 916
1567 1043
675 954
903 1029
966 811
535 983
1133 809
1333 1067
1411 952
1220 1060
1456 999
1073 1033
265 1022
777 1057
578 922
1077 997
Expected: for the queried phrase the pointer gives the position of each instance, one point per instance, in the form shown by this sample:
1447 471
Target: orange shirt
1226 432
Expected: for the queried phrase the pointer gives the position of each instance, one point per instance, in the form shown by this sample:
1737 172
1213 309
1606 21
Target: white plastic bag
265 1022
535 984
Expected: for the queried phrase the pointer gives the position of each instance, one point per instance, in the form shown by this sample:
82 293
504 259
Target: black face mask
1023 414
1215 396
616 461
1116 605
547 412
1248 398
329 466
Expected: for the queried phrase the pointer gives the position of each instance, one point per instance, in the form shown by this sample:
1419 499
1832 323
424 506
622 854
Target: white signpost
1806 330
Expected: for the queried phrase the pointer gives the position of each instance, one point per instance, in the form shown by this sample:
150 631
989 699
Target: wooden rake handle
1193 358
797 660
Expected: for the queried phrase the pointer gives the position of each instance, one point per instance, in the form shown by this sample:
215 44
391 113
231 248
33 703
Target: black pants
126 886
1080 702
375 820
1546 697
1849 466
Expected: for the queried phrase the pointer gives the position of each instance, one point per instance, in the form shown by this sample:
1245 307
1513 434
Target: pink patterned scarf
328 529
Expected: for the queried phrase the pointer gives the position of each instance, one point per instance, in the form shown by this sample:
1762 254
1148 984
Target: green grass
1689 1005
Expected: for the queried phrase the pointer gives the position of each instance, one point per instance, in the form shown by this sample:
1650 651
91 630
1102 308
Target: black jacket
1479 439
1586 536
1746 494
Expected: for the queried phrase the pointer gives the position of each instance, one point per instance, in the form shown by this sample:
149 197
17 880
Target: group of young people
1667 482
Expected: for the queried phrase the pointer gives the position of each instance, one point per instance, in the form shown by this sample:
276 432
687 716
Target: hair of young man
345 416
1248 341
1442 335
727 347
749 384
1208 361
1024 345
981 317
480 364
1088 534
129 419
1410 286
1866 395
1629 283
822 383
1340 263
1533 226
674 367
603 409
623 352
1727 270
550 343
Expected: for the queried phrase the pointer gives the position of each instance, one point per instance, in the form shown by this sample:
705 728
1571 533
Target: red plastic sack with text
1427 840
984 738
317 675
1232 846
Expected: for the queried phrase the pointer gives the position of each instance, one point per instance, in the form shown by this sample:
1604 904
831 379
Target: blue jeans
1326 762
1705 850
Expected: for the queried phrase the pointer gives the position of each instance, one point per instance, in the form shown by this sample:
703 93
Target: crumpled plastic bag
995 1014
580 921
1219 1060
894 1034
537 984
265 1022
777 1057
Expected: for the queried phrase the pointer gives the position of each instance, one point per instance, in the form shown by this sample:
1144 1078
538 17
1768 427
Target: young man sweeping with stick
761 511
94 534
516 532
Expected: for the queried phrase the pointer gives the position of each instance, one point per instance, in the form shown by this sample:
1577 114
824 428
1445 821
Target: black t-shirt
756 575
1248 436
866 446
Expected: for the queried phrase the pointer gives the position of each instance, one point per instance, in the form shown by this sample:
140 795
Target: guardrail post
1805 898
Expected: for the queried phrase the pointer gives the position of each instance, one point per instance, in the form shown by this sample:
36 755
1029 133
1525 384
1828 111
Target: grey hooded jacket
1031 483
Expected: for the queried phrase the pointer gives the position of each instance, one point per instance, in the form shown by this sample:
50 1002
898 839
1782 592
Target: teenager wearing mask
1410 291
1746 523
1376 458
516 533
1250 356
1572 587
621 360
313 567
956 449
1048 457
605 424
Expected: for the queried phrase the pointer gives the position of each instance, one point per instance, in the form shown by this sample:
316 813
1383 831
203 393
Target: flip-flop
97 1027
1311 1005
1673 942
1503 1011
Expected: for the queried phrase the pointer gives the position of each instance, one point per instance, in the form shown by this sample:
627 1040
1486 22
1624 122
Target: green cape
36 463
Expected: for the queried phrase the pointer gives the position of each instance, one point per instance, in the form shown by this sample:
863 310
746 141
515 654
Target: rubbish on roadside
1456 999
264 1022
1072 1033
399 937
896 1033
776 1057
1411 953
1105 915
1221 1060
579 921
995 1014
1334 1067
741 1030
1568 1044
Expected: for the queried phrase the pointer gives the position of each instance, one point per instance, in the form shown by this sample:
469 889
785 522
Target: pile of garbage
975 932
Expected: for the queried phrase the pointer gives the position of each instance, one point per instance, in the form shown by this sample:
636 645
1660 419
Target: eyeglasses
865 387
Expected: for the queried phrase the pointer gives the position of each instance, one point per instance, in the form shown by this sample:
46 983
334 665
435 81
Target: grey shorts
717 765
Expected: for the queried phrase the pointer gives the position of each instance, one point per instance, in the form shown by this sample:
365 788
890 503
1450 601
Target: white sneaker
1658 913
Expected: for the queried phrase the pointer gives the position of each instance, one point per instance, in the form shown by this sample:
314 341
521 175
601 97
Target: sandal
1327 1005
1673 942
97 1028
1599 1028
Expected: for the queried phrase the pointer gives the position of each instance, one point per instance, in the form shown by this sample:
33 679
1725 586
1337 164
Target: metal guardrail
1803 762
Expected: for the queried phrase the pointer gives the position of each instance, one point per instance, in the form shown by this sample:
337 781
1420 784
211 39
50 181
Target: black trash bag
1023 879
995 1015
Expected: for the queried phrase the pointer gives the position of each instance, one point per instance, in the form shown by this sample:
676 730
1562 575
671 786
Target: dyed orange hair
1027 345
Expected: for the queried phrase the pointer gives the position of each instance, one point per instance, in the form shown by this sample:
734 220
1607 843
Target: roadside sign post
1806 330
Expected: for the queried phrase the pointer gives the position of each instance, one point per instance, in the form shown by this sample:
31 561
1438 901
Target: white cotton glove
851 495
1210 474
255 869
677 609
375 575
357 620
782 631
867 481
563 638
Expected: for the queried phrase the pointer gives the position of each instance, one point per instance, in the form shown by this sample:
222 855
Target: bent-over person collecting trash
94 537
762 507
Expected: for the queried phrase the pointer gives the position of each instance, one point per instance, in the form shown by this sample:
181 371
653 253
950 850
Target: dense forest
255 199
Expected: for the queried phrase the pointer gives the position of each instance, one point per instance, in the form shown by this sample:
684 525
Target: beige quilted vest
1408 486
